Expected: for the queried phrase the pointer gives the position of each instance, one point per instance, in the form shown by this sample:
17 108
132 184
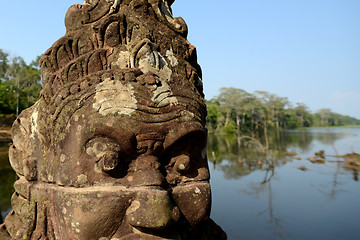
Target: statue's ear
22 151
20 222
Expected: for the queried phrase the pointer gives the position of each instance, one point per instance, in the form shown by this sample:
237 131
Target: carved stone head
115 147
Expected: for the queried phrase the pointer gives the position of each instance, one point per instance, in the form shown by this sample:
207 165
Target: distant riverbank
5 135
347 126
6 121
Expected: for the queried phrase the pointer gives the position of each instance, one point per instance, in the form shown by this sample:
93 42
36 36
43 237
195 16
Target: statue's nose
152 209
145 171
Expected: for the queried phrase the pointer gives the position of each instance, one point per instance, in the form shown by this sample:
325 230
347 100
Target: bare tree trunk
239 142
252 119
238 121
227 119
218 125
228 146
266 135
17 101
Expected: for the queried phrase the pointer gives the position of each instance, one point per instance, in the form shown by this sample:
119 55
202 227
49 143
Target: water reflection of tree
272 218
245 154
237 156
7 178
329 137
334 186
296 140
266 186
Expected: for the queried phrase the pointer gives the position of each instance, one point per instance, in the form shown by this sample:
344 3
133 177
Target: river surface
296 199
271 195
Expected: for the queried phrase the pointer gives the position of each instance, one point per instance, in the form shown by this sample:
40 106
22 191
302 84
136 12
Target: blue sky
306 50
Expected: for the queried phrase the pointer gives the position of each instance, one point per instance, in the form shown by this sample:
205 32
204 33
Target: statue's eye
106 153
181 163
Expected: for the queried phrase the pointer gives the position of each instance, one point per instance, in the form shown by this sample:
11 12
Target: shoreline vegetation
5 136
223 132
345 126
237 111
20 83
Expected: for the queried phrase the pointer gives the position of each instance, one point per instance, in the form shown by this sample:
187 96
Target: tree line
20 83
237 110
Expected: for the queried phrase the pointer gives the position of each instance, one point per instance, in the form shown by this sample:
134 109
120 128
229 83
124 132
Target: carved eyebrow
102 139
191 140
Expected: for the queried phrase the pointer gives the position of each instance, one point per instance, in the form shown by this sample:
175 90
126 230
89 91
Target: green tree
214 119
234 103
16 73
300 116
20 83
32 85
325 117
237 110
265 112
3 64
4 97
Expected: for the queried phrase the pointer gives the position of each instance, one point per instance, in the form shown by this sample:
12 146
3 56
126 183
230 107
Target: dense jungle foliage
20 83
237 110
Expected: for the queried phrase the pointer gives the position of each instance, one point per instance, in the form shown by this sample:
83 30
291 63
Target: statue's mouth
142 236
198 193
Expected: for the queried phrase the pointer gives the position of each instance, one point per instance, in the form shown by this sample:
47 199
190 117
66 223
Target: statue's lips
185 197
154 188
114 188
135 236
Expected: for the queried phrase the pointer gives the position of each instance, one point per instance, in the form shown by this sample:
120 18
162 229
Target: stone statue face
128 178
115 147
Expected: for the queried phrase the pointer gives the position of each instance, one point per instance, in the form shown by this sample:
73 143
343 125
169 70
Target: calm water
7 178
254 201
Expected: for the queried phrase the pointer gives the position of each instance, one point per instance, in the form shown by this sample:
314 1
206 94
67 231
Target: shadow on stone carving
115 147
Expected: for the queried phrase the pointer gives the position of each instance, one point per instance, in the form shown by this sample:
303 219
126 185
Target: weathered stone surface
115 147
